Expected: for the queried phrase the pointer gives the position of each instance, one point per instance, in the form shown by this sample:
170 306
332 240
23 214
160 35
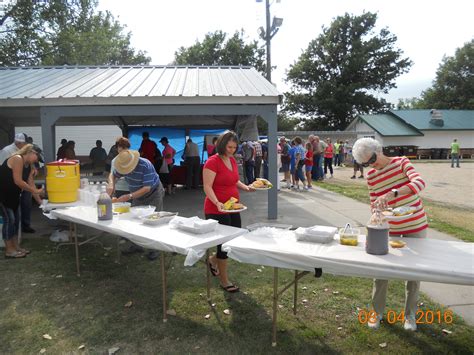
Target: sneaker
353 177
310 186
374 324
410 324
27 229
331 176
305 188
361 177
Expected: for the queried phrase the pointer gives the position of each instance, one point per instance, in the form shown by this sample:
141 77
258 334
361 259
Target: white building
425 129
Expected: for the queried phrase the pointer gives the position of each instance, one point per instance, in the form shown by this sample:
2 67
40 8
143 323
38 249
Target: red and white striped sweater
398 173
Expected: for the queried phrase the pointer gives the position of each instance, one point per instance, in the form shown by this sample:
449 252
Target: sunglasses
372 160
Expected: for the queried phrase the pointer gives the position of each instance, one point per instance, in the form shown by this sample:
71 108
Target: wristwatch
395 192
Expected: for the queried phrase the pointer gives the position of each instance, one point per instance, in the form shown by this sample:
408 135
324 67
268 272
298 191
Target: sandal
15 255
230 288
214 270
24 251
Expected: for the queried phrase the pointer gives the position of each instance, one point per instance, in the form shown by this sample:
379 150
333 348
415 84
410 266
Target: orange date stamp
422 316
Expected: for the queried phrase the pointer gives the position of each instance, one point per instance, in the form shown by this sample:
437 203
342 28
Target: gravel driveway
443 184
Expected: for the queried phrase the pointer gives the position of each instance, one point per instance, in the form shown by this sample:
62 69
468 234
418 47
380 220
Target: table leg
76 246
163 286
117 260
295 292
208 277
275 306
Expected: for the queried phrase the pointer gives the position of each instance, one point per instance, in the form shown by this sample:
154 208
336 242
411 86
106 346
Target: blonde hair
27 148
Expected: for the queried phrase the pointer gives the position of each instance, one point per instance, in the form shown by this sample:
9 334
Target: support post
48 134
271 119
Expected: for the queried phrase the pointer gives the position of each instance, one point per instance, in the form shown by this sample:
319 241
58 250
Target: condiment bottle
104 206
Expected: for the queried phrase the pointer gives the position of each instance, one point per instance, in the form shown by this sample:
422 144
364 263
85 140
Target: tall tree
453 87
58 32
217 49
340 72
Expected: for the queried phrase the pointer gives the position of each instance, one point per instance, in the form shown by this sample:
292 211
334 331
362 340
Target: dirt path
443 184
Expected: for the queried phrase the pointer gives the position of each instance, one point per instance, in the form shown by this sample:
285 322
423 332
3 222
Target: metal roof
134 85
452 119
390 125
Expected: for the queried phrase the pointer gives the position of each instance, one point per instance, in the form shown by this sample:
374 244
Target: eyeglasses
372 160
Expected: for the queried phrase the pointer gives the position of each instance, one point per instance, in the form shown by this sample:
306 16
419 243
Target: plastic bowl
349 237
121 207
142 211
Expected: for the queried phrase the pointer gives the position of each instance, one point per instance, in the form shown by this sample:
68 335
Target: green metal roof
452 119
388 125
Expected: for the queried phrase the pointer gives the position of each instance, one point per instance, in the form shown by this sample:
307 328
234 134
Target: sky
426 30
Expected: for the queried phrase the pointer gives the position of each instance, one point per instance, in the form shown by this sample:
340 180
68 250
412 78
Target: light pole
268 33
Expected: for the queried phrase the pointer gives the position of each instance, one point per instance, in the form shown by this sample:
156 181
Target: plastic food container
316 234
142 211
121 207
254 226
158 218
349 236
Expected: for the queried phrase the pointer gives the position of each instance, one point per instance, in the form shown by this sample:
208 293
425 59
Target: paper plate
236 211
397 218
262 188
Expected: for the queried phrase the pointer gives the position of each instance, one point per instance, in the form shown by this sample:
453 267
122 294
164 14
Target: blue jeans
10 222
299 173
454 156
317 172
249 169
265 169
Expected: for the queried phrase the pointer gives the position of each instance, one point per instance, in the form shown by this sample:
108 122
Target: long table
162 238
420 260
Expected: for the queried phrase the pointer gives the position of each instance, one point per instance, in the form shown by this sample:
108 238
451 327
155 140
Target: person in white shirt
9 150
193 164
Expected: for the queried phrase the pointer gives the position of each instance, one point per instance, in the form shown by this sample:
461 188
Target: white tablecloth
421 259
161 237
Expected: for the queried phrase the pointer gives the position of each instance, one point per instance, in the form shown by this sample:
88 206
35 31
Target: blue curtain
176 138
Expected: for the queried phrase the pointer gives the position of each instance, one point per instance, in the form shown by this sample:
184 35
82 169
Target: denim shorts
308 168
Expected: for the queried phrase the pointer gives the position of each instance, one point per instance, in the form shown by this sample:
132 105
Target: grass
453 220
42 295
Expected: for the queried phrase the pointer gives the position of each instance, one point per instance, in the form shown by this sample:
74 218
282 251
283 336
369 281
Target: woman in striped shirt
393 182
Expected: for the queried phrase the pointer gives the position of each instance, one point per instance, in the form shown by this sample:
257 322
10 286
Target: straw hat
126 161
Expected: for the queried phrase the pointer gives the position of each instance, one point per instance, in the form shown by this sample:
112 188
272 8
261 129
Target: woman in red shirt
221 182
308 162
328 155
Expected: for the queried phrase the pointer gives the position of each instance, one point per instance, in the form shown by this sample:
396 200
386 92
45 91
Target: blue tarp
176 137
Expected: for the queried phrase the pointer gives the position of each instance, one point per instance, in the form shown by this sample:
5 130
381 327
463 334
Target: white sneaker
374 324
410 324
305 188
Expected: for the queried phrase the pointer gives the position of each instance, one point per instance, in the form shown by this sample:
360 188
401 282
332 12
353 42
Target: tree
59 32
216 49
453 87
336 77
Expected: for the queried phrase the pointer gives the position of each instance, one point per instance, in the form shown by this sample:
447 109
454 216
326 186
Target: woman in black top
11 185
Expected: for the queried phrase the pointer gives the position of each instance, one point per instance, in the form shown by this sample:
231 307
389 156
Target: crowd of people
311 160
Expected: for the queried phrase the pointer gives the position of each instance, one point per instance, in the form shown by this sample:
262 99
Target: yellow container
63 178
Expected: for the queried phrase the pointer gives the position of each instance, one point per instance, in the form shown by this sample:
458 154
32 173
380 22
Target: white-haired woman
393 182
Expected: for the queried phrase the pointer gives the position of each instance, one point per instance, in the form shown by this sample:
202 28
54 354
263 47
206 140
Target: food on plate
387 213
228 205
232 204
403 211
262 184
397 243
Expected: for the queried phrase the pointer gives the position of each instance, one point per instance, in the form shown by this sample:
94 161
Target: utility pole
267 34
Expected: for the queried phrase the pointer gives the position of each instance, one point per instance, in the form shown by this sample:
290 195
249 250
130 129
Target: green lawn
41 294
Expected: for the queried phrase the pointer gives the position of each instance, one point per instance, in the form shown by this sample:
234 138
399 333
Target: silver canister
377 239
